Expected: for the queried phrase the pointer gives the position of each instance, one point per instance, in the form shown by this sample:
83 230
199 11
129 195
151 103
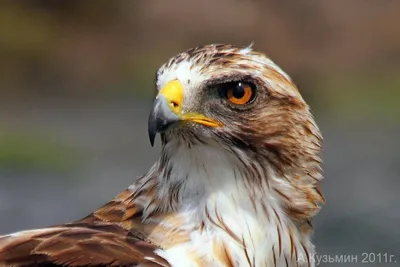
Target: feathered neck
223 197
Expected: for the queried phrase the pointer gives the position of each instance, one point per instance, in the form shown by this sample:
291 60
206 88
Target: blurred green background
77 81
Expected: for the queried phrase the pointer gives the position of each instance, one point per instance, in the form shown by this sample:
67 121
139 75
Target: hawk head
238 100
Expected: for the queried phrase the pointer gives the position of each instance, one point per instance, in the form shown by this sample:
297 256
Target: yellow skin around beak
173 93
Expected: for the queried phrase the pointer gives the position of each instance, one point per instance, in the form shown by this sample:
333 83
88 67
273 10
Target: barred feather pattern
240 195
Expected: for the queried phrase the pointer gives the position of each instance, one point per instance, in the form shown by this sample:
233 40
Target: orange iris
240 94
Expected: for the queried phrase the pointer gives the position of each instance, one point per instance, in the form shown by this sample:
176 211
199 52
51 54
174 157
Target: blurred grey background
77 81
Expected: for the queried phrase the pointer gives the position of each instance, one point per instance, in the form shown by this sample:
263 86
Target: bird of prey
237 182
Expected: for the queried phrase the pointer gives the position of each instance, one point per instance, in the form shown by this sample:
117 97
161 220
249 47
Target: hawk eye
240 93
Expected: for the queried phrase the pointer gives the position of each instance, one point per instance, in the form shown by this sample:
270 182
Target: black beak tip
152 130
152 137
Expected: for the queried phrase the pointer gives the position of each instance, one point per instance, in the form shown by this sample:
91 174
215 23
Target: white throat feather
228 204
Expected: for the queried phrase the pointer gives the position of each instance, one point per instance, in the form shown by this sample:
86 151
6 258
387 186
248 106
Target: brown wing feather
105 238
77 244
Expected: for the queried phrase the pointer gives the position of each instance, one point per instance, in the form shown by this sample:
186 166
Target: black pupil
238 91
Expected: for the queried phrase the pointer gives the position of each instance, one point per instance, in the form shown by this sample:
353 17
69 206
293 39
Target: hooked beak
166 111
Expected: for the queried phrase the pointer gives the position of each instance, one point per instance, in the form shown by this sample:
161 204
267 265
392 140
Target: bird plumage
235 185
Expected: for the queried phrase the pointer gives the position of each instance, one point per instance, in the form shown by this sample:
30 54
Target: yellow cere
173 93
